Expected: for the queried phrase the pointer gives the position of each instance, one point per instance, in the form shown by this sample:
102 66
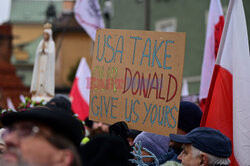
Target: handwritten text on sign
136 78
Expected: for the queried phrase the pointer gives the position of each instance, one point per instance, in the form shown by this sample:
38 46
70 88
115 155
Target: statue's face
45 36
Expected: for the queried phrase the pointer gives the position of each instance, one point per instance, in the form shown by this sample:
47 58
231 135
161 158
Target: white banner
88 15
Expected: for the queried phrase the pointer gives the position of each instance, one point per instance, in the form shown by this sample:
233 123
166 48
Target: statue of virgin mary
43 78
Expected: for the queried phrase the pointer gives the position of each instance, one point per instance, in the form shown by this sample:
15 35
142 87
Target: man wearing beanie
204 146
41 136
189 118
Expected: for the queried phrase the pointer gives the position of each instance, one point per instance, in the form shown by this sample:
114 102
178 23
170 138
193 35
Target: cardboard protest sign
137 78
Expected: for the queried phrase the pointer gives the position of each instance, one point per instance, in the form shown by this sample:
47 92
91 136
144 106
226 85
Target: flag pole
223 37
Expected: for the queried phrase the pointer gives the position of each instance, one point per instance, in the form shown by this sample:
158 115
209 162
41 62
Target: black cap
133 133
59 121
60 102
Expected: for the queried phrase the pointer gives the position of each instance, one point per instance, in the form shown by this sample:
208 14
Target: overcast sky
5 6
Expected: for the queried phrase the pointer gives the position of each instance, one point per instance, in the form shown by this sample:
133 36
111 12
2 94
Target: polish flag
214 30
88 15
79 92
228 103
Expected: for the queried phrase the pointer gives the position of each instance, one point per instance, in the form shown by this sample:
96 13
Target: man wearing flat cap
204 146
41 137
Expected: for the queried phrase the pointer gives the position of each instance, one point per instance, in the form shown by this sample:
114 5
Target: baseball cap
206 139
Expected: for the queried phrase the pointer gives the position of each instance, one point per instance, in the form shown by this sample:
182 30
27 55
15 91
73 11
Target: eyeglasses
29 130
22 131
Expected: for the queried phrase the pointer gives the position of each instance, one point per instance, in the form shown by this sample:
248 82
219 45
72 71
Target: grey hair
195 152
212 160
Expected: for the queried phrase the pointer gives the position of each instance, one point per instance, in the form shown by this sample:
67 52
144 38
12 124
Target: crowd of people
51 135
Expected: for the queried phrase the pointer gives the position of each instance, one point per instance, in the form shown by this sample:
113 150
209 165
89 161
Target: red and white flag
214 30
79 92
228 103
88 15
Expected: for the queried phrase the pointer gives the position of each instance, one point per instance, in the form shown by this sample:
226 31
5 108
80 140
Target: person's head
154 143
46 36
93 128
47 33
104 149
104 128
98 128
132 134
189 117
204 146
41 137
60 102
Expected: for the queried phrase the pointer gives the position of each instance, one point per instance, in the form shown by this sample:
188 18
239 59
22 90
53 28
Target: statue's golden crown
47 26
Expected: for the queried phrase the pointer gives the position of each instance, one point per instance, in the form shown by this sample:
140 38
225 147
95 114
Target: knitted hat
157 144
189 116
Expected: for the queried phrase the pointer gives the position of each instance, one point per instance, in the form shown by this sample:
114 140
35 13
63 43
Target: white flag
88 15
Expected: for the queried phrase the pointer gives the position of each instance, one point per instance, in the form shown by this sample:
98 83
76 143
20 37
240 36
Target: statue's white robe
43 78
